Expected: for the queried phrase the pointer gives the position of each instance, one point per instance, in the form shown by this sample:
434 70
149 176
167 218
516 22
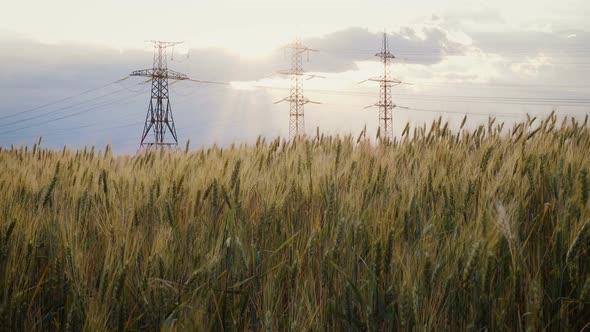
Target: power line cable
71 115
62 99
59 110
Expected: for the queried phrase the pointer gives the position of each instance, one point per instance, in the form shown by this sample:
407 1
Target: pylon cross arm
385 55
169 74
291 72
143 72
385 80
301 50
174 75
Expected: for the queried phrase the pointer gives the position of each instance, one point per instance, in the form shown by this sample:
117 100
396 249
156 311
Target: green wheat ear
486 158
388 259
104 182
584 297
584 186
578 242
51 187
470 265
378 260
188 144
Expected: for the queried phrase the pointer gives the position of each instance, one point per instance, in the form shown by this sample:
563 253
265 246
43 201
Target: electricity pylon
296 99
159 116
385 103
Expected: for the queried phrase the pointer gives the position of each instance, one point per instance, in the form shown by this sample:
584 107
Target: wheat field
477 230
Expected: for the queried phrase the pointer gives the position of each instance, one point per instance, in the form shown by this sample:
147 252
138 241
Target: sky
64 65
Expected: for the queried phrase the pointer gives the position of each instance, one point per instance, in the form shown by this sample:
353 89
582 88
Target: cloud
468 17
340 50
337 52
34 73
516 42
531 66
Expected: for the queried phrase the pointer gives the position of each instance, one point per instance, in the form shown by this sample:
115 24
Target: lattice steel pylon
159 118
385 103
296 99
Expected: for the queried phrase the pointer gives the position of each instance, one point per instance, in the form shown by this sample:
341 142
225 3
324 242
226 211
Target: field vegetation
486 229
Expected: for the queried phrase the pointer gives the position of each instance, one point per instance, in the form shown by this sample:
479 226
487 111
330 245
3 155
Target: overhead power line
70 115
61 109
159 119
62 99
